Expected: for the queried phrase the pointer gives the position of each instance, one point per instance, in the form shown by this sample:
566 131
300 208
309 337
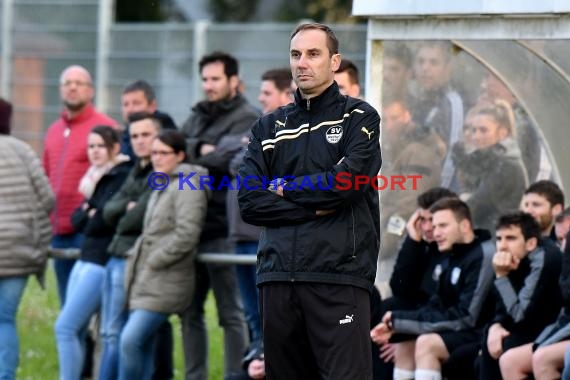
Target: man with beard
65 160
211 130
544 200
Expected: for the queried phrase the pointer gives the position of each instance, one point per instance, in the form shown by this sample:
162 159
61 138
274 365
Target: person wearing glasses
65 161
160 271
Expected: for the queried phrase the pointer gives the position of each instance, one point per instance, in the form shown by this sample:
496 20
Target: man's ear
531 244
557 209
234 82
335 62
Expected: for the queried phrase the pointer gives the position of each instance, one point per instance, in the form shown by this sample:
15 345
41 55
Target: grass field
38 354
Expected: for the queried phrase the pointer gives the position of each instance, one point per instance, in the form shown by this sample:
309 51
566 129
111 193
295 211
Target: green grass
38 354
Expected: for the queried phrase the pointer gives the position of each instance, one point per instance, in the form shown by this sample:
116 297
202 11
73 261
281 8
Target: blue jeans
83 300
566 372
137 344
11 290
246 275
63 267
113 317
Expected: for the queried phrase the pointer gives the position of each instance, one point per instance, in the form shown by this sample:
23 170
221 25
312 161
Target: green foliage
326 11
233 10
138 11
38 354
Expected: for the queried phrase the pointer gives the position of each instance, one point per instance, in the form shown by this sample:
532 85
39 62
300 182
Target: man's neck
73 113
143 162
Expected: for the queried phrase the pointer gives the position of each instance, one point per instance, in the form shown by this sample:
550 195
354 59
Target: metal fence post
198 50
7 48
105 19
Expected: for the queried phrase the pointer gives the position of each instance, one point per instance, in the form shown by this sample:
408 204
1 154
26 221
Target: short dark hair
109 135
549 190
459 208
347 66
400 52
231 65
528 225
429 197
281 77
332 41
174 139
138 116
141 85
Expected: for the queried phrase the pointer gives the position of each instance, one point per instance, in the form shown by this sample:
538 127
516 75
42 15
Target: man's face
271 98
447 230
135 101
311 63
540 209
431 69
395 75
346 86
396 120
426 225
216 85
76 88
142 134
492 89
511 239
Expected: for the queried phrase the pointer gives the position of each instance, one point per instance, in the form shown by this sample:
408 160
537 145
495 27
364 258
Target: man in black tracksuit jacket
319 246
455 315
526 290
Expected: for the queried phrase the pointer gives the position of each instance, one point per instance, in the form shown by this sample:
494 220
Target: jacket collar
481 236
87 112
322 101
215 109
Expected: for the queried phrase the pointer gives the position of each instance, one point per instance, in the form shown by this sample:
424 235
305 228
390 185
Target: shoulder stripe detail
290 134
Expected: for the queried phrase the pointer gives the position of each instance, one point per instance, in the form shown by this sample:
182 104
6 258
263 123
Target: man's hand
131 204
413 226
206 148
256 369
388 352
495 338
504 262
382 332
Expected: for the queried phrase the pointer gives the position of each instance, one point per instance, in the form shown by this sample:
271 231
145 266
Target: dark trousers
163 353
316 331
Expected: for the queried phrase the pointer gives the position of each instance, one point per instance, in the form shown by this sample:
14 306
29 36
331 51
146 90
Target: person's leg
11 291
404 360
62 267
113 317
247 277
488 366
137 344
230 314
430 353
287 350
194 333
516 363
83 300
163 364
548 361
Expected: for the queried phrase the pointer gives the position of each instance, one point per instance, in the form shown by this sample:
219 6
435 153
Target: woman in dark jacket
492 177
105 176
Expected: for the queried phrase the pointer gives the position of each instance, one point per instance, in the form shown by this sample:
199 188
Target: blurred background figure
397 71
492 178
347 78
25 232
275 89
562 227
